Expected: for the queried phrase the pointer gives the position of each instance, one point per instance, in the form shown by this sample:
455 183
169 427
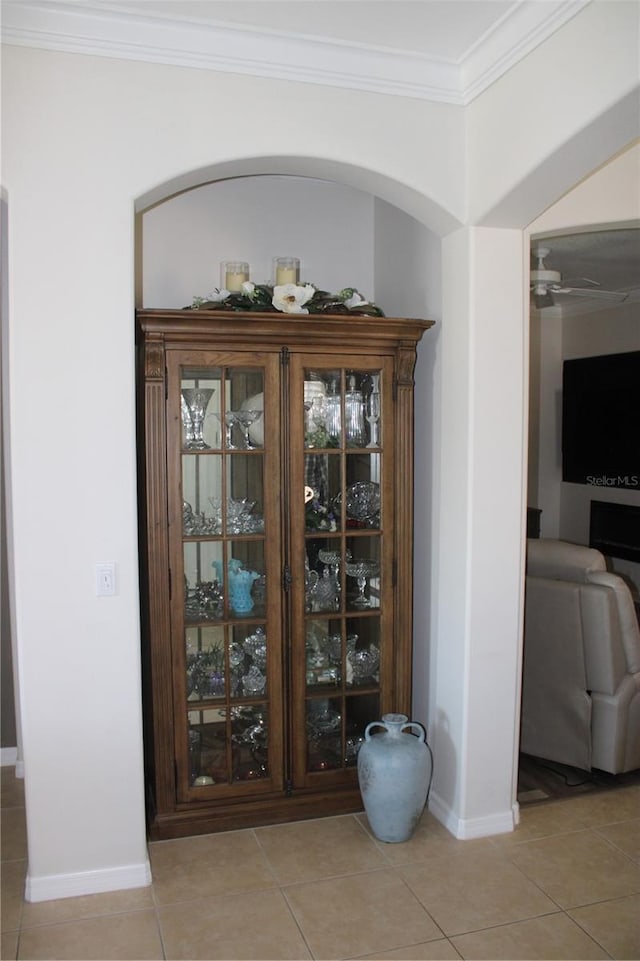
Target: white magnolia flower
248 288
355 300
291 299
218 295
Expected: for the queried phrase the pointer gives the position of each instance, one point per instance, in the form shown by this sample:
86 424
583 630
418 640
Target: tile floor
566 884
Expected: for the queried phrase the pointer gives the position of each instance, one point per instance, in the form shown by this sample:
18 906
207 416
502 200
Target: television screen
601 421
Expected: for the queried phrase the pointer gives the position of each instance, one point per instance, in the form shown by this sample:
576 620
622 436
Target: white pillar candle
233 275
286 270
286 275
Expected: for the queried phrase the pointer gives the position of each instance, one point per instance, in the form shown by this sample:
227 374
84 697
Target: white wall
408 265
86 140
328 226
605 331
559 113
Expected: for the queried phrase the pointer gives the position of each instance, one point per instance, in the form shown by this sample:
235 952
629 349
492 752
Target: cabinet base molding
53 886
235 816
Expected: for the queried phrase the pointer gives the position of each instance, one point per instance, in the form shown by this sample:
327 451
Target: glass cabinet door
225 604
342 546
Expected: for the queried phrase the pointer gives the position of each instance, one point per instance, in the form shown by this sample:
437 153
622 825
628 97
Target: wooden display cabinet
276 485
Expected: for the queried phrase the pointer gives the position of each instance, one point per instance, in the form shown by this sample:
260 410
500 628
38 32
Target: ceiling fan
545 283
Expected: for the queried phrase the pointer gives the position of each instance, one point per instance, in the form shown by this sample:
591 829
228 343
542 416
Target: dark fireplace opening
615 530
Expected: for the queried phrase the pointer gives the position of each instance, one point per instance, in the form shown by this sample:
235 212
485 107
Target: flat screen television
601 420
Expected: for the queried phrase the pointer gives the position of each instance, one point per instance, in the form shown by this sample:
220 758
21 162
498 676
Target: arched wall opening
407 265
344 235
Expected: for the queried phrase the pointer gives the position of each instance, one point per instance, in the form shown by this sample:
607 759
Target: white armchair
581 676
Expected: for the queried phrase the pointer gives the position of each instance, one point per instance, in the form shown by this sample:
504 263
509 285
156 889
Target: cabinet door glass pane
207 748
322 480
324 733
224 574
364 574
243 425
201 495
200 404
343 554
361 502
249 737
206 663
342 408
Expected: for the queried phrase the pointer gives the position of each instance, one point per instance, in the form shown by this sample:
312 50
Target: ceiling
436 28
611 258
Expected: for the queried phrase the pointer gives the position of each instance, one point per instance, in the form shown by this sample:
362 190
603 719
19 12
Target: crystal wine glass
373 417
245 418
362 570
227 420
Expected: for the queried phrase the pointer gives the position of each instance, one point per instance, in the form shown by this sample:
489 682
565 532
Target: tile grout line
284 897
588 933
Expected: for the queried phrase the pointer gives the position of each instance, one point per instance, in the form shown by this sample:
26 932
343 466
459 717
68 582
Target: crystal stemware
238 515
196 401
245 418
333 559
353 415
373 416
364 663
362 570
228 420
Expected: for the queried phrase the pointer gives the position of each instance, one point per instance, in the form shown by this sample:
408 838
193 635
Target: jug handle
421 731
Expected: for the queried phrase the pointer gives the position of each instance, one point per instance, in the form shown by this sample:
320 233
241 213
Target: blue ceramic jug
394 773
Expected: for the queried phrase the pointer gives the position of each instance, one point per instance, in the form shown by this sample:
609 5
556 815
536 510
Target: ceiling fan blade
591 293
572 281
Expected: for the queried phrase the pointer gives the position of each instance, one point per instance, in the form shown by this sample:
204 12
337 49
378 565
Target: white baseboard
466 829
8 756
54 886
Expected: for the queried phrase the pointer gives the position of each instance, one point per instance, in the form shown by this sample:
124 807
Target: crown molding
111 30
520 32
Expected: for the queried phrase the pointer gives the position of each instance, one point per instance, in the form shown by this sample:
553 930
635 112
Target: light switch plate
105 579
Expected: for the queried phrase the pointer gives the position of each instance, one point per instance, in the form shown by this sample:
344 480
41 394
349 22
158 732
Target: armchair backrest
581 637
606 613
562 561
